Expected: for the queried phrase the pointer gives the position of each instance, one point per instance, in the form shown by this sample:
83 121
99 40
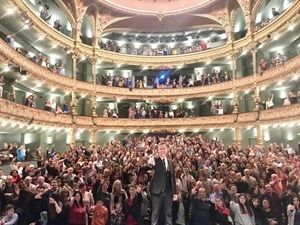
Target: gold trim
19 113
275 27
65 83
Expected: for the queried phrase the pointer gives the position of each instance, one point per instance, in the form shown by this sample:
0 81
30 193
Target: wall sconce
49 140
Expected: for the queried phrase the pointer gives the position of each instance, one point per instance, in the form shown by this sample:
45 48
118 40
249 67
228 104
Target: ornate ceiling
153 15
169 6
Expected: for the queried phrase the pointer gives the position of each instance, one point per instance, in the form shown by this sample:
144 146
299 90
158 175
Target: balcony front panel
68 84
13 111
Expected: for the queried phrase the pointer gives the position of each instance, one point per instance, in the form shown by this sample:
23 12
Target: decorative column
256 91
145 81
94 71
93 136
74 67
73 132
235 97
73 104
237 134
254 58
94 106
133 81
260 138
116 107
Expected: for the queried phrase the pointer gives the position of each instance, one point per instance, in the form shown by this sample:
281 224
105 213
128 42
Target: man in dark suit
162 186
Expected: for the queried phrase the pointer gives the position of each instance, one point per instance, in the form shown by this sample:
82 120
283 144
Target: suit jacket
158 180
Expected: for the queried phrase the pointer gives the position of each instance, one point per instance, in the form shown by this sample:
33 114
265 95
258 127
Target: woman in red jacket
78 210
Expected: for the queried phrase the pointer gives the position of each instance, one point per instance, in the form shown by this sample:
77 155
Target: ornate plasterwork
128 10
65 83
16 112
276 26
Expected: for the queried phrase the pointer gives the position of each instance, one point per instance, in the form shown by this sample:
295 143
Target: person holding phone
162 186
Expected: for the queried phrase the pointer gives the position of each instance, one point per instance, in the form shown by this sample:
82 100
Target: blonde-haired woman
118 194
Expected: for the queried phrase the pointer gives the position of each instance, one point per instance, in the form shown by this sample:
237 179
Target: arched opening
240 29
87 26
52 14
86 30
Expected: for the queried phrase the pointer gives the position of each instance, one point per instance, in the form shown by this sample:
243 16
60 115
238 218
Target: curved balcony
167 95
275 27
13 111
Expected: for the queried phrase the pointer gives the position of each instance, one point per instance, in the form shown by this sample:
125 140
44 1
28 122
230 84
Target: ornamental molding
13 112
275 27
41 74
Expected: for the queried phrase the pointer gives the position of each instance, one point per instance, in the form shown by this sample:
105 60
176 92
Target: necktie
165 163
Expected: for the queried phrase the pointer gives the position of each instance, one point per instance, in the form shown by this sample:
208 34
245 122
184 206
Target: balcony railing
284 20
68 84
19 113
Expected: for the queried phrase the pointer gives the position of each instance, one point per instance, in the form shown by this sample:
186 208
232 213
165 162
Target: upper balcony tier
41 74
13 112
232 47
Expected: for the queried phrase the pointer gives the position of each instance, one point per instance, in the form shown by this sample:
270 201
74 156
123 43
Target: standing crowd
110 184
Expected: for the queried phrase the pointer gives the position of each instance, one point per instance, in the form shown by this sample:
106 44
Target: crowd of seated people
44 62
50 105
38 58
185 81
262 24
46 16
110 113
218 108
291 98
149 51
152 112
215 184
115 81
264 65
30 101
